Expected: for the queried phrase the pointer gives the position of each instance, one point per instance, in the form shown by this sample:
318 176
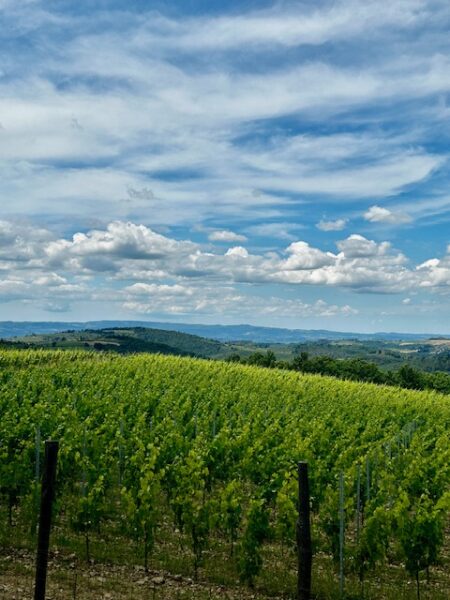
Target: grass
115 571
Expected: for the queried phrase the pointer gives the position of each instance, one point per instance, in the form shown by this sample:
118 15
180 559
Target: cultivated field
177 476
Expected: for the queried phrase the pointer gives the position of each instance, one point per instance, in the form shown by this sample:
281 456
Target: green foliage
286 510
329 521
374 541
190 503
420 526
353 369
408 377
141 495
357 369
229 510
268 359
216 444
355 360
255 532
126 341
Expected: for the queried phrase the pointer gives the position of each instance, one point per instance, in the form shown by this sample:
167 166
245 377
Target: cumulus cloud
304 257
337 225
133 260
357 246
26 277
238 252
98 249
21 242
379 214
435 273
361 264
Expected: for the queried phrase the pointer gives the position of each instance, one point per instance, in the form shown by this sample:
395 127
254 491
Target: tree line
355 369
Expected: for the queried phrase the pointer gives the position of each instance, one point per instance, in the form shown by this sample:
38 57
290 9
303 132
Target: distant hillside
223 333
425 355
127 340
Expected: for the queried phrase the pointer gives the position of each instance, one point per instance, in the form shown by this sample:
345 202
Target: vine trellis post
304 546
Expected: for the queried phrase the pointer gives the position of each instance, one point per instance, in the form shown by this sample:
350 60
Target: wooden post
37 477
45 518
304 547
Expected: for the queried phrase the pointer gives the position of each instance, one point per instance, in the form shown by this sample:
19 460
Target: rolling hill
129 340
223 333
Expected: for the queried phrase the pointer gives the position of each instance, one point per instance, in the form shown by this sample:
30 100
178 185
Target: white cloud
302 26
303 257
131 264
206 300
379 214
337 225
357 246
145 118
13 290
122 241
121 118
435 273
281 230
153 289
237 251
226 236
362 265
21 242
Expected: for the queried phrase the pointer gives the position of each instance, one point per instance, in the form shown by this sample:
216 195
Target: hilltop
127 340
424 354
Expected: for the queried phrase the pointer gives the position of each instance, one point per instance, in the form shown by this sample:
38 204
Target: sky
273 163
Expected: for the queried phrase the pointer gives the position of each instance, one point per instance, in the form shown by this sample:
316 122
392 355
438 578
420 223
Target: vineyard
189 466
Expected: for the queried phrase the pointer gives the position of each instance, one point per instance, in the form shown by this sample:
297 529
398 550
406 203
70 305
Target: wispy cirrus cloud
295 26
226 236
247 124
161 117
337 225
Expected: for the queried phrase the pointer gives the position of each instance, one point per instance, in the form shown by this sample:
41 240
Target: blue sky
278 163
